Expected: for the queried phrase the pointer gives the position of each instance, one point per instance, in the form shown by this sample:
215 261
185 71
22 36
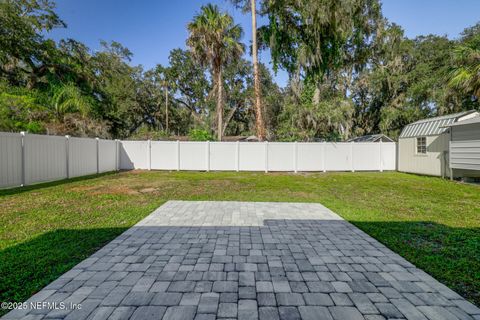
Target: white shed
465 148
423 146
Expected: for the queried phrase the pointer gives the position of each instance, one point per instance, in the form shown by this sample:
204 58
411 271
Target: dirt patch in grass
114 190
81 188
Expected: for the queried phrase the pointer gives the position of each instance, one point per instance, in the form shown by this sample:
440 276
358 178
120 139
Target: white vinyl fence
28 158
257 156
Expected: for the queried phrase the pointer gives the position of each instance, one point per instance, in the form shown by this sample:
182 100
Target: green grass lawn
47 229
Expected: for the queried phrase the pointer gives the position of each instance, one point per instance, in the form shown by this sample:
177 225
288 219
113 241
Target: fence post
295 157
208 156
98 156
351 156
67 154
324 155
178 155
238 156
381 156
23 158
117 155
266 156
149 154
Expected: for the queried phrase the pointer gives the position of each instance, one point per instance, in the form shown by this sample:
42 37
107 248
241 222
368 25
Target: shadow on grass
19 190
449 254
29 266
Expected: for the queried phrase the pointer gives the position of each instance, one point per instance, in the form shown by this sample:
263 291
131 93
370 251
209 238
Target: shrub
21 113
200 135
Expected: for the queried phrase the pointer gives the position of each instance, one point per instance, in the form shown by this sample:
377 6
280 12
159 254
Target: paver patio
210 260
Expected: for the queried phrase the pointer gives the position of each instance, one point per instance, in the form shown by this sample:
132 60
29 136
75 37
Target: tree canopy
352 72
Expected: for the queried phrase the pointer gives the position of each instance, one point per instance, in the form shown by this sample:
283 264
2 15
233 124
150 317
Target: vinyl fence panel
10 159
281 156
164 155
252 156
134 155
193 155
389 156
223 156
338 156
107 155
82 157
366 156
310 156
45 158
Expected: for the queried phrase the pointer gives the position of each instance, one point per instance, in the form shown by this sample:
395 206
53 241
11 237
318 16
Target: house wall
465 150
433 163
466 132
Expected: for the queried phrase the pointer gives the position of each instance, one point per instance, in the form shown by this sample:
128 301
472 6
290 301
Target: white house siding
465 148
432 163
466 132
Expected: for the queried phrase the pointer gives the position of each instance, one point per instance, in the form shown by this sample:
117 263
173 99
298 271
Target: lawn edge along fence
29 158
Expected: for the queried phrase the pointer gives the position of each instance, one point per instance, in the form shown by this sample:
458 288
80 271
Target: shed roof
371 138
464 122
432 126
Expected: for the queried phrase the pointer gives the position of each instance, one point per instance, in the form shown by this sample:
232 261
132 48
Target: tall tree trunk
166 110
219 104
259 121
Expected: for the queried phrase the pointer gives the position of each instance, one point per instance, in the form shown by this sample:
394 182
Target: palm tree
466 74
250 5
68 98
259 121
214 40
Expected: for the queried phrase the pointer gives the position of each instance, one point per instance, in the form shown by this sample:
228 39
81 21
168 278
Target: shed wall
434 163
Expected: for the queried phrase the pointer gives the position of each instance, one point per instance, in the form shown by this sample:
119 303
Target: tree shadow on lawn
20 190
28 267
451 255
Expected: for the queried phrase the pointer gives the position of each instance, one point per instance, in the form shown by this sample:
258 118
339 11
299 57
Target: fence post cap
22 133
